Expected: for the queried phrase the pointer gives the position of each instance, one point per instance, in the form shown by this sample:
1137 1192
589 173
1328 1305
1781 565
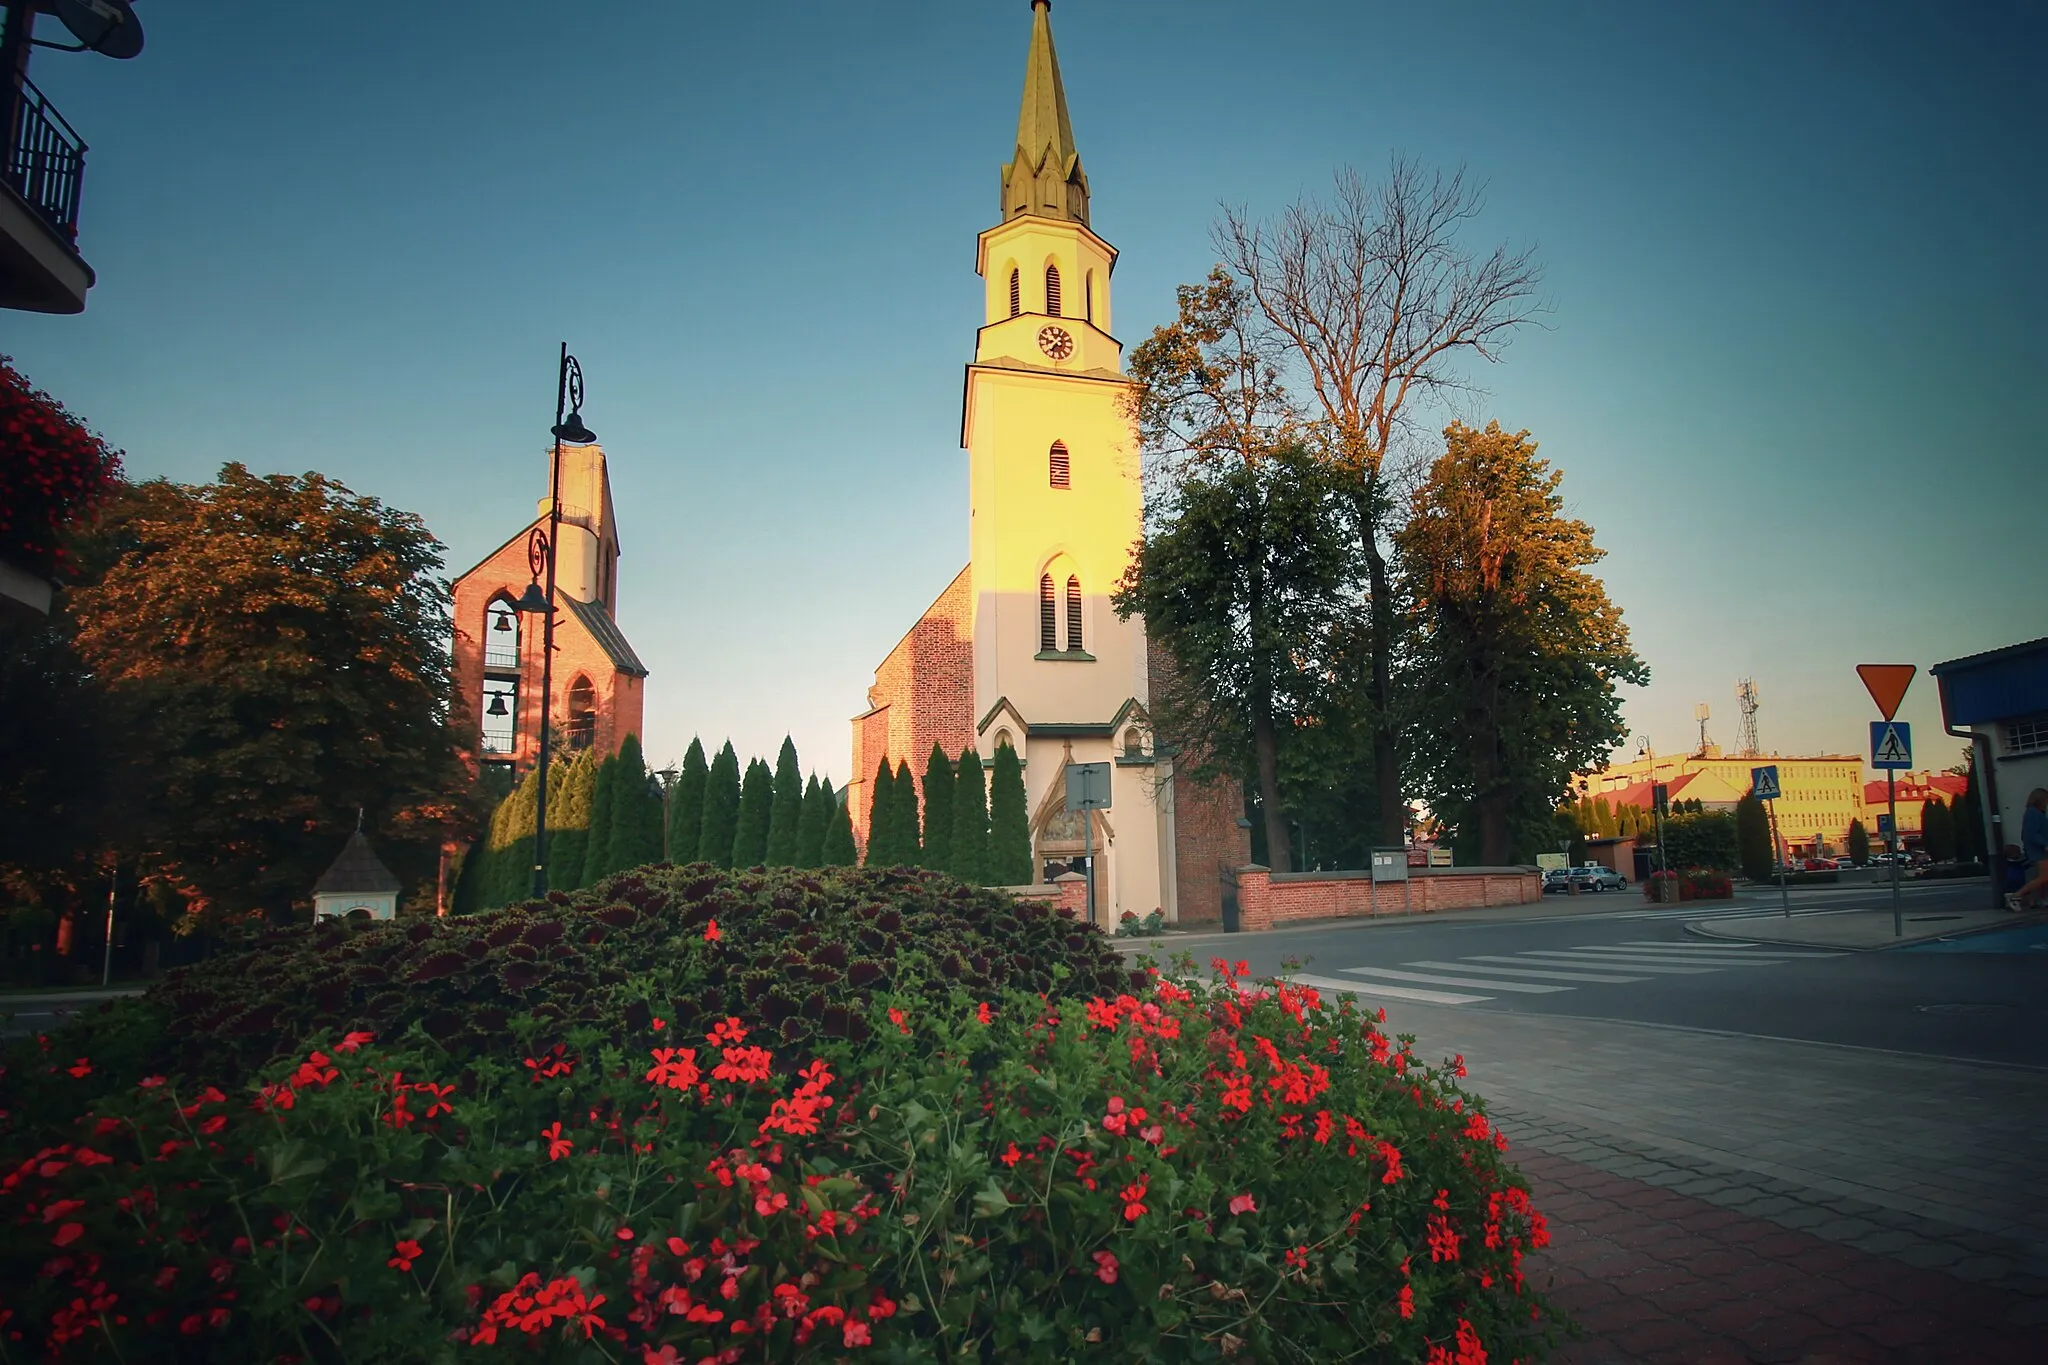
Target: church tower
1056 505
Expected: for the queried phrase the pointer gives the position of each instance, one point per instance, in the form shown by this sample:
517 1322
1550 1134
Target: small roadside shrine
356 885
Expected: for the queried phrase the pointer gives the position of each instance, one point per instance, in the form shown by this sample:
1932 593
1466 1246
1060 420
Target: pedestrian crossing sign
1763 782
1891 744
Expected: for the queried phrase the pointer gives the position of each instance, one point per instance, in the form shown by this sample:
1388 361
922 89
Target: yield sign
1887 684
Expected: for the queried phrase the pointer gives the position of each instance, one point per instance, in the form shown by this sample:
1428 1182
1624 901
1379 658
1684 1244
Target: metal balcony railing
46 162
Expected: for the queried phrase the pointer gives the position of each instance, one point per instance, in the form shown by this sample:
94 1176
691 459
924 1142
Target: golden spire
1045 178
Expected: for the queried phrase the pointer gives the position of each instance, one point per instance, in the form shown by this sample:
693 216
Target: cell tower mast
1745 696
1701 713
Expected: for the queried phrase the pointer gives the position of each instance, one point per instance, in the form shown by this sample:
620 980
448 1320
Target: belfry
1024 647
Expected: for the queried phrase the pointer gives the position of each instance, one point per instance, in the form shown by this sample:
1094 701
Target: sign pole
1088 857
1891 802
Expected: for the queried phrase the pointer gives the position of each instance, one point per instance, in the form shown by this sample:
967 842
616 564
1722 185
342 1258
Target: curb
1699 929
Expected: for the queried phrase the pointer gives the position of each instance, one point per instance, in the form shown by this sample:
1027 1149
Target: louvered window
1052 290
1016 294
1048 626
1088 295
1074 614
1062 469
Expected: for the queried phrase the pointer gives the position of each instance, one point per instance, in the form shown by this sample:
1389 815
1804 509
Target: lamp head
573 432
534 601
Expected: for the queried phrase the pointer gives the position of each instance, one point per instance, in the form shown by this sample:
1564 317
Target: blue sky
1795 291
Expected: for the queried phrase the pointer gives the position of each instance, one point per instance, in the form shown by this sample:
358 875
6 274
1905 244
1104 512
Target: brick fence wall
1265 898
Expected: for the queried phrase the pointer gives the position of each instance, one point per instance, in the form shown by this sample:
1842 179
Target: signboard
1439 857
1552 862
1087 786
1884 826
1891 744
1887 684
1763 782
1390 864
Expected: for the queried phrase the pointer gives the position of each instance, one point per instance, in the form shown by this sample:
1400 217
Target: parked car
1593 877
1557 879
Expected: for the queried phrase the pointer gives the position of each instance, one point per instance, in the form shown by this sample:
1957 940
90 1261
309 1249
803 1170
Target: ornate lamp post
541 548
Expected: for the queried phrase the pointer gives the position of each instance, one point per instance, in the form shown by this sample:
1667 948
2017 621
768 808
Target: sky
1788 365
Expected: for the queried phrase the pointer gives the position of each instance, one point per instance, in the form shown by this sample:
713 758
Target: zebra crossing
1550 971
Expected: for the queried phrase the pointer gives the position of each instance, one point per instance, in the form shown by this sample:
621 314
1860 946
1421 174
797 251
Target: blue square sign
1891 744
1763 782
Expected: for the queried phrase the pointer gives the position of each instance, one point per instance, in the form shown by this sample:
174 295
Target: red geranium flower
408 1252
1105 1267
558 1146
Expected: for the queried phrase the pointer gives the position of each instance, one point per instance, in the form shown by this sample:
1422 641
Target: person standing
2034 849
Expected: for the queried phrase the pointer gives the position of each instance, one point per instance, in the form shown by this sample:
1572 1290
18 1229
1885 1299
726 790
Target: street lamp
541 548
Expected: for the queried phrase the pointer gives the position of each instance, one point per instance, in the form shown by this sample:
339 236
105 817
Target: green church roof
1045 178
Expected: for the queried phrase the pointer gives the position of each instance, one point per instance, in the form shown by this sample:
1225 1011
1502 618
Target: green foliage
909 841
786 812
636 811
938 809
956 1175
1701 840
1753 852
811 823
838 849
1859 843
721 809
750 836
63 782
970 819
275 654
1009 822
569 821
604 801
1937 830
1518 649
686 804
882 848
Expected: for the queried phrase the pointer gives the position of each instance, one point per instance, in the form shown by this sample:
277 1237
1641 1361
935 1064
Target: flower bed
1185 1173
1693 884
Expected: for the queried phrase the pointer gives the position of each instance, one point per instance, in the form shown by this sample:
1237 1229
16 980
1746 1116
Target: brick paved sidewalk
1652 1275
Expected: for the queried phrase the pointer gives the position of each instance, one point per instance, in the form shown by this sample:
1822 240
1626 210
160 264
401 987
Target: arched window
1062 467
582 713
1088 295
1048 623
501 634
500 715
1052 290
1074 614
1016 292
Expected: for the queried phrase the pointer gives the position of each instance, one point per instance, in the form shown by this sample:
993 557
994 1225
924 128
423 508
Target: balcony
40 268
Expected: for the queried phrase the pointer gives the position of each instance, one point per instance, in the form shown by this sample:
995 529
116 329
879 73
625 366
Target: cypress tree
721 809
569 822
686 805
970 820
1969 812
750 835
810 826
604 796
938 810
882 819
786 811
1937 830
495 851
1753 839
636 812
838 849
904 793
1009 823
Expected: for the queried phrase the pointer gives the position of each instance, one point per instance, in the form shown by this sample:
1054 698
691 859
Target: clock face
1056 342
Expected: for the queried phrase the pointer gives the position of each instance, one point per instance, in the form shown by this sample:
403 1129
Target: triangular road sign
1887 684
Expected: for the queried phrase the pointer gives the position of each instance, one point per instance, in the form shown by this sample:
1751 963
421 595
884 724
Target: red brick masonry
1265 898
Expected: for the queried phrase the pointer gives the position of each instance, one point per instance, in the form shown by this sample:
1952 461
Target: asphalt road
1618 958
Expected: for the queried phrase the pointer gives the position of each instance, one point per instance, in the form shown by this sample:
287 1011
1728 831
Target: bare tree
1376 301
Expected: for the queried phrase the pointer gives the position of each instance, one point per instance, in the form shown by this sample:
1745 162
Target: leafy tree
1859 842
569 821
1517 647
1937 830
721 809
882 843
1009 822
938 809
1244 568
786 811
604 801
1701 839
810 828
904 822
838 850
970 820
636 812
1753 839
63 778
686 804
750 834
275 653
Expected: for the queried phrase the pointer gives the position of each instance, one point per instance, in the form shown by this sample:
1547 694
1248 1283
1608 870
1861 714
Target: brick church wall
923 694
1207 836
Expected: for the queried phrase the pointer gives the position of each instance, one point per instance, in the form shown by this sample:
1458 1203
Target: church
1024 646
